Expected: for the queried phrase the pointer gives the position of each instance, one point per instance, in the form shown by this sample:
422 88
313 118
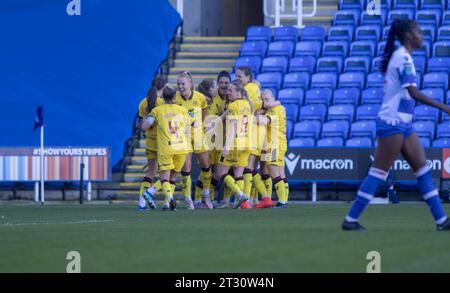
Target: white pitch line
60 223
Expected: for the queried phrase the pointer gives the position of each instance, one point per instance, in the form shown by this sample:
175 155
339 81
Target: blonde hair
188 76
240 88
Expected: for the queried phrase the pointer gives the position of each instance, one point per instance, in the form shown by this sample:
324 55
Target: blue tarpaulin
88 71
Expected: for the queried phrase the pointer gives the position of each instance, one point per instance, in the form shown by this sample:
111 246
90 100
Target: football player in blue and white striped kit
395 131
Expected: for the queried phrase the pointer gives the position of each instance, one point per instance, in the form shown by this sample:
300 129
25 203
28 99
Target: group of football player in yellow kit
231 127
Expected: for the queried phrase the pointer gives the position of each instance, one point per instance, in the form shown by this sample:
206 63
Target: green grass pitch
302 238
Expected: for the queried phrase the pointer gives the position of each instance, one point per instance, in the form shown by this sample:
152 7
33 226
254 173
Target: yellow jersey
171 122
216 106
239 114
254 94
151 132
276 129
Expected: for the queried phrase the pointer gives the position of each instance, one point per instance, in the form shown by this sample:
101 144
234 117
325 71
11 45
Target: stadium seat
352 79
359 142
441 143
313 33
425 50
367 112
425 112
253 62
382 45
275 64
446 18
359 63
376 62
341 112
330 142
405 4
329 64
432 4
443 130
372 96
363 48
429 16
363 129
308 48
444 33
313 112
337 128
258 49
428 32
282 48
375 19
375 79
346 17
436 79
302 143
308 128
270 80
259 33
336 48
434 93
424 129
286 33
346 96
385 34
297 80
341 33
324 79
420 64
400 14
425 141
291 96
319 96
292 112
441 49
445 117
289 128
351 4
368 33
303 63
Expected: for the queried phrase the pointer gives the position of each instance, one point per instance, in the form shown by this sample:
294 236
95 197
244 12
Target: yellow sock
205 177
248 181
145 184
280 189
232 184
286 186
157 185
167 190
259 184
254 193
268 183
198 191
211 192
240 183
186 182
226 193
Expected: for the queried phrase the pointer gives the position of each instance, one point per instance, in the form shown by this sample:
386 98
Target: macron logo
291 162
374 7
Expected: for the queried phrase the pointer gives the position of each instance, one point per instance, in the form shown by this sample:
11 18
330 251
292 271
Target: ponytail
239 87
157 85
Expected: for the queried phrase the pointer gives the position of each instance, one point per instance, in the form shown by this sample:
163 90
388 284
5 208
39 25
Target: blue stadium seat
352 79
286 33
363 48
303 63
425 50
376 62
308 48
346 17
363 129
359 142
297 80
443 33
419 80
254 49
420 63
336 48
253 62
275 64
367 112
270 80
358 63
447 100
375 79
434 93
425 112
429 16
324 79
319 96
428 32
292 112
445 117
341 112
385 34
341 33
424 129
291 96
329 64
330 142
368 33
313 112
382 45
441 49
376 19
443 130
308 128
284 48
313 33
441 143
259 33
425 141
346 96
432 4
350 4
400 14
289 128
439 64
372 96
302 143
436 79
446 17
337 128
405 4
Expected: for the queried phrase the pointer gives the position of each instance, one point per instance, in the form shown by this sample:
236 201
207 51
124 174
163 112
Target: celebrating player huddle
230 127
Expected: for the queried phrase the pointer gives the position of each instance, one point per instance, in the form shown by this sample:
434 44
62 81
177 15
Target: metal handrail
280 5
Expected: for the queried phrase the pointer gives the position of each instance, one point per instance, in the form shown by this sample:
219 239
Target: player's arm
270 104
149 121
418 96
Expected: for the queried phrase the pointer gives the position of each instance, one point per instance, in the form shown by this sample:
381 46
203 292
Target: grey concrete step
212 40
198 78
205 63
199 70
207 55
210 47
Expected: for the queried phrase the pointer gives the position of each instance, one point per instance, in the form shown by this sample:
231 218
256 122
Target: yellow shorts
235 158
214 157
171 162
151 148
274 157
